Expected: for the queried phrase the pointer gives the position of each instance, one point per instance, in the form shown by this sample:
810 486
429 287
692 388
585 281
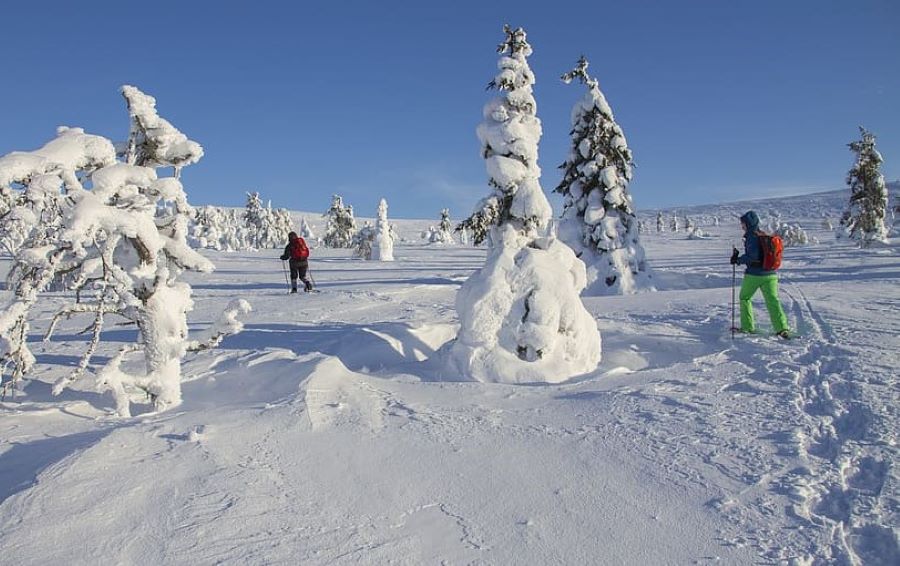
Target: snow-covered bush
598 218
383 241
521 319
792 235
697 234
827 224
340 225
864 219
123 241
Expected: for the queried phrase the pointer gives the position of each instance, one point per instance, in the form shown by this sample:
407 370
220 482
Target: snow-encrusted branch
227 325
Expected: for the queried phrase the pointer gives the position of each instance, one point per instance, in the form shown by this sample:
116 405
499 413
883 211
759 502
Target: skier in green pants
755 277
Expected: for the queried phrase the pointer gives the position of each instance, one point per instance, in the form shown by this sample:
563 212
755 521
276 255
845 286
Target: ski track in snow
323 435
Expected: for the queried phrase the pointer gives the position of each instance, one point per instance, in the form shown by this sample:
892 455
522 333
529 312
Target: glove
734 256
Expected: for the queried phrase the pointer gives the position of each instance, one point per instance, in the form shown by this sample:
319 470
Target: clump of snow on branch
598 218
122 242
521 317
152 140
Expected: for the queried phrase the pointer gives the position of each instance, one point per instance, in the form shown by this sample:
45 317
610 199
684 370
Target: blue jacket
752 257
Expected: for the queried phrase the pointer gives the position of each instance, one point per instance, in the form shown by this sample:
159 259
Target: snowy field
328 433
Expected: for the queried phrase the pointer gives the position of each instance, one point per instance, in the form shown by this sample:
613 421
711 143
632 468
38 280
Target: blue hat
751 220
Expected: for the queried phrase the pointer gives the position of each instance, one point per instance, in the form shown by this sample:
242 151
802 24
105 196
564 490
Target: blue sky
720 100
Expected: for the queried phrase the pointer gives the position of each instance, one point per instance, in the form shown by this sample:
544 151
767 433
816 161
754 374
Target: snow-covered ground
327 432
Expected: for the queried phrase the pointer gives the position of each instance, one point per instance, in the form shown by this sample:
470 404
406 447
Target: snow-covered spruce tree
254 219
675 223
340 225
123 242
660 223
383 242
864 219
598 218
521 317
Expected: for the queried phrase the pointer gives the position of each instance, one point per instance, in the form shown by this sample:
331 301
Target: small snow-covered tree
688 223
445 228
363 240
463 236
306 232
598 218
675 223
123 241
521 319
660 223
443 234
340 225
383 241
864 219
827 224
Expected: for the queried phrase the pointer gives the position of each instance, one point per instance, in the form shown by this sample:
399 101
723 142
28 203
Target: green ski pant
769 286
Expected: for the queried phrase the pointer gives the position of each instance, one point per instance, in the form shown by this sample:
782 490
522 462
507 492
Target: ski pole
284 269
313 279
733 282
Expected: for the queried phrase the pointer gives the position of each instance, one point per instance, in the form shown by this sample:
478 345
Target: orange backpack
772 249
299 249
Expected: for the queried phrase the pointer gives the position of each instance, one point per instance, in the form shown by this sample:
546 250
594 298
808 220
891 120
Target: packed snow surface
324 433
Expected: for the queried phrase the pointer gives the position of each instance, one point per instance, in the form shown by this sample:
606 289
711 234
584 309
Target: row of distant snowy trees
99 220
231 229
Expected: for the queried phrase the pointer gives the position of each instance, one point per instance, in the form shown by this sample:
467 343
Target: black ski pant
298 271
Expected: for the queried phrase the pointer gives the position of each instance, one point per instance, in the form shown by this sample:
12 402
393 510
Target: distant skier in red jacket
298 253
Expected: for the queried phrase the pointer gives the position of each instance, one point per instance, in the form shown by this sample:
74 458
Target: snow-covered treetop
865 147
153 141
72 150
382 211
509 135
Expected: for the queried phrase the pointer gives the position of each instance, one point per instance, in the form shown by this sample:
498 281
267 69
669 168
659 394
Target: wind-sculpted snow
326 432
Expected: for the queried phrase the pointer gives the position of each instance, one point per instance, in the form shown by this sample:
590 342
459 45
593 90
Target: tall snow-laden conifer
598 218
864 219
521 318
